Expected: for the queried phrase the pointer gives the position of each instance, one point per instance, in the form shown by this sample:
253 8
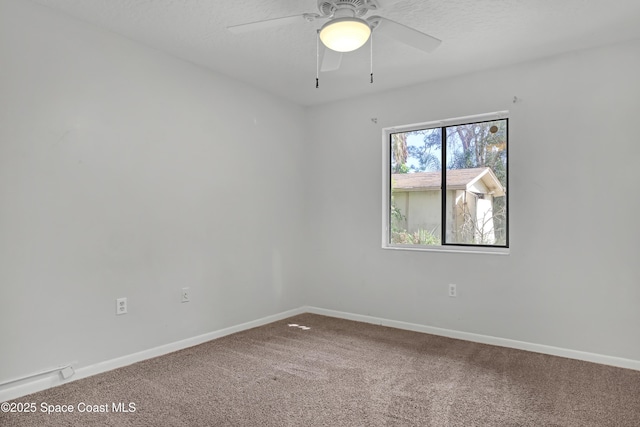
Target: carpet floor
338 372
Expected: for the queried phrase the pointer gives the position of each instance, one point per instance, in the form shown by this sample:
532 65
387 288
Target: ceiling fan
346 30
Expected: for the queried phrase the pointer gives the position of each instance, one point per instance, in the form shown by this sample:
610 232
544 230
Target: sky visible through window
416 144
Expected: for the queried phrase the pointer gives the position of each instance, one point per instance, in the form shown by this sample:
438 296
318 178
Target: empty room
319 213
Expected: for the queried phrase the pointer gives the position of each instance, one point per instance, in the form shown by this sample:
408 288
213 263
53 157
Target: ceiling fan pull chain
317 59
371 44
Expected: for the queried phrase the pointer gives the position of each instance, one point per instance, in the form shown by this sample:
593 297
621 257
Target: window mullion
443 186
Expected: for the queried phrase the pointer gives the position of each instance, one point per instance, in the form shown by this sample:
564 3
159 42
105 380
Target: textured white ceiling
476 34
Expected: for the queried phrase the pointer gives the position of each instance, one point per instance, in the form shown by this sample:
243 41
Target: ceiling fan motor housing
353 8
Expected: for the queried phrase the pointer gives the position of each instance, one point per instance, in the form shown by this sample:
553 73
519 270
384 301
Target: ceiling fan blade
331 60
404 34
387 4
262 25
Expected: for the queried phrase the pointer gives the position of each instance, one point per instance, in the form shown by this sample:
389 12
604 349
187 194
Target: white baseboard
484 339
21 388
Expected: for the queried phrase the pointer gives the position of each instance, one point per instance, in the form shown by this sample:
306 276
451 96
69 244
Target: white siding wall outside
424 211
420 209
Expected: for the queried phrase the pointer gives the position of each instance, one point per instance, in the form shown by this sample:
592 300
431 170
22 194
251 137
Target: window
445 185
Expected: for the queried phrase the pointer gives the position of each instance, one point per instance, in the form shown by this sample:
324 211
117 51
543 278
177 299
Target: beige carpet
344 373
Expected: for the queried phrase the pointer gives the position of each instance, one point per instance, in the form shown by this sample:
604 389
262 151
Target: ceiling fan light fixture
345 34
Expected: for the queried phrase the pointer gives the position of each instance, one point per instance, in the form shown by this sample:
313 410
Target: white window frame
386 185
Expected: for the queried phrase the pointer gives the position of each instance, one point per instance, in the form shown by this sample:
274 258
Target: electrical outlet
452 290
121 306
185 294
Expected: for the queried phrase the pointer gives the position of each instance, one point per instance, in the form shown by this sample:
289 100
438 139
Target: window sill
451 249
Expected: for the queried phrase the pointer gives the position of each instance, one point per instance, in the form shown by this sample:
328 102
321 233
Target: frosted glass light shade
345 34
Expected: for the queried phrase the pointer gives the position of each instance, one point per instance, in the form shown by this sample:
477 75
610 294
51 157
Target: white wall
120 170
572 279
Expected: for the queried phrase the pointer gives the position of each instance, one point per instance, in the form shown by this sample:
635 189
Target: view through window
449 185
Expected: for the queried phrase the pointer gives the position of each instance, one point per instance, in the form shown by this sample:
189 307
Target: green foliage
474 146
402 168
397 219
420 237
426 155
399 153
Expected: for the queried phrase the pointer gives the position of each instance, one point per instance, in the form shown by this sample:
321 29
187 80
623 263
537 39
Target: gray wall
120 170
572 279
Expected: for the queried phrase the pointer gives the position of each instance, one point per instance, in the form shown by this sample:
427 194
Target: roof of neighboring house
457 179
